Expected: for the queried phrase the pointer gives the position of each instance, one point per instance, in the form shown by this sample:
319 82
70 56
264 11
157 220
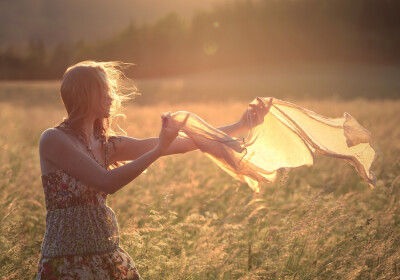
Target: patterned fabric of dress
81 239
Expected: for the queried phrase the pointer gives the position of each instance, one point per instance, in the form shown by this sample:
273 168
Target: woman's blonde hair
79 86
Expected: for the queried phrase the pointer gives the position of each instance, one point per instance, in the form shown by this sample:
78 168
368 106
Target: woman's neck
87 127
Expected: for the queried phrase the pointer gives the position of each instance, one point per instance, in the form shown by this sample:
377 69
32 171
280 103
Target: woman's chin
106 114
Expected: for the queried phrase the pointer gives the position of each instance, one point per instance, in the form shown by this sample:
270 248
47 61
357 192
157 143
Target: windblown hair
83 82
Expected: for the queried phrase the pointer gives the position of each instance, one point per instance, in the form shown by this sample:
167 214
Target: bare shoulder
54 140
52 136
51 144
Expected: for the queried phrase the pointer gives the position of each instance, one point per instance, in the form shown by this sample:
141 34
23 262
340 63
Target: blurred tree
59 60
239 33
10 64
35 60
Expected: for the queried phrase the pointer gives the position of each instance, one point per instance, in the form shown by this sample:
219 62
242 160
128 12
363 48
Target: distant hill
54 21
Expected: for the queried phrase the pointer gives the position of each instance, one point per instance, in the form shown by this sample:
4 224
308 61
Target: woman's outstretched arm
55 147
128 148
125 148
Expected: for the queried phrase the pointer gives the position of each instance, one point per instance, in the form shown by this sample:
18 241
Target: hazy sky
61 20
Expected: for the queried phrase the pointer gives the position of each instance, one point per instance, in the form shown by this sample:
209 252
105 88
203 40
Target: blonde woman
79 164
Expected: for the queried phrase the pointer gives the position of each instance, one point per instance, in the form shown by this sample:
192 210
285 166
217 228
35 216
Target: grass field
187 219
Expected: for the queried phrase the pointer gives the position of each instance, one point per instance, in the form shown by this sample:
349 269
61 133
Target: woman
81 239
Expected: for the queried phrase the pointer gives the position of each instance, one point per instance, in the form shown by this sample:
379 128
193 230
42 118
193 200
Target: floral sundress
81 239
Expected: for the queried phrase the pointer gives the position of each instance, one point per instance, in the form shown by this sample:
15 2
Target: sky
54 21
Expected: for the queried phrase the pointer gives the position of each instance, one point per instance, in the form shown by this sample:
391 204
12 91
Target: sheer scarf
288 137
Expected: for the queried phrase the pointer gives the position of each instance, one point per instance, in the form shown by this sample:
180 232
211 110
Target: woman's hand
255 113
167 134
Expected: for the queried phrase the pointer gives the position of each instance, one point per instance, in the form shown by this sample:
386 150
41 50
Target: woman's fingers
168 132
257 111
166 119
261 108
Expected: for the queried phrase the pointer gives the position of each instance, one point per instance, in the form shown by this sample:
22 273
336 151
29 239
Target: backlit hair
83 82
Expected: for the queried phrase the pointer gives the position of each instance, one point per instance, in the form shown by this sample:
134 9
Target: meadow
186 219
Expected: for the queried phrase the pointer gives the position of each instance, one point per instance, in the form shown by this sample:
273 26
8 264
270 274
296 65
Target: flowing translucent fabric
288 137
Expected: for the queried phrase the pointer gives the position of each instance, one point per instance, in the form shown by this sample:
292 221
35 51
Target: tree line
242 33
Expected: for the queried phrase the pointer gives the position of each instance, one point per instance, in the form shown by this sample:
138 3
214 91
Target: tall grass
186 219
